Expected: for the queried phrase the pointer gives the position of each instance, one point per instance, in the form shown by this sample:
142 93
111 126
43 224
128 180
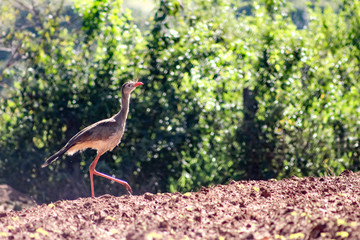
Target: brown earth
296 208
11 199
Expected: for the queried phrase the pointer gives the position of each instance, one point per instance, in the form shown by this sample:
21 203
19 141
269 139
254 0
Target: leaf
277 236
342 234
110 218
189 208
42 231
35 235
114 231
29 16
293 213
340 222
17 84
187 194
153 235
299 235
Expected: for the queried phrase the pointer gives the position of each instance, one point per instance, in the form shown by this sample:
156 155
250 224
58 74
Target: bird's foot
128 188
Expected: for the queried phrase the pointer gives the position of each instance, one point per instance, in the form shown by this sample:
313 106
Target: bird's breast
110 143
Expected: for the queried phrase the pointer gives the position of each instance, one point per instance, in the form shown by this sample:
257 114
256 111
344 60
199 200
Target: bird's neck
122 115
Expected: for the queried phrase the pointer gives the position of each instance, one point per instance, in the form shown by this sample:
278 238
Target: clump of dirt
11 199
295 208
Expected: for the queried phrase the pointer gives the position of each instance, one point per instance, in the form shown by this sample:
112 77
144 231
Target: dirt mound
296 208
11 199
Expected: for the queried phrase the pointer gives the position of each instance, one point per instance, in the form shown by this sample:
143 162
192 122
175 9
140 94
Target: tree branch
14 56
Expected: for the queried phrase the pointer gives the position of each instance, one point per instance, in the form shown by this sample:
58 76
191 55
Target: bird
101 136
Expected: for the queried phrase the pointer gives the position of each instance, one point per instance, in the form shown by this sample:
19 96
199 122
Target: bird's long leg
124 183
93 171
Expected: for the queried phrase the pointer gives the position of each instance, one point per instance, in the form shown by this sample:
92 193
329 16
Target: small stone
106 196
163 224
87 205
149 196
264 193
346 173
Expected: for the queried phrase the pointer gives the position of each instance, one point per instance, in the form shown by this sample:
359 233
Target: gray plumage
102 136
88 137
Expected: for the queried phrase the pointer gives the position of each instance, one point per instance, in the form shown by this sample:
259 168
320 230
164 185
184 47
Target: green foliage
69 79
189 106
233 90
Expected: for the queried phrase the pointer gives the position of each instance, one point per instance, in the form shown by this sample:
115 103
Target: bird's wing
98 131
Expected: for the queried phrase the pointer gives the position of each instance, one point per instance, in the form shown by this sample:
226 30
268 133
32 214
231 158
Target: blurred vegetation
232 90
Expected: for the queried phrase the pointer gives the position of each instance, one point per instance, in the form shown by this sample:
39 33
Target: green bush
233 90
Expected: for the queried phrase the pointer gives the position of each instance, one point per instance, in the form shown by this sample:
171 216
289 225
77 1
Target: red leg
124 183
93 171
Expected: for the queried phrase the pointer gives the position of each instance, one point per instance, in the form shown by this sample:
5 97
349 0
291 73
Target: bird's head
128 87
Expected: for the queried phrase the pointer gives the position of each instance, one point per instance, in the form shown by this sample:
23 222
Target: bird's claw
128 188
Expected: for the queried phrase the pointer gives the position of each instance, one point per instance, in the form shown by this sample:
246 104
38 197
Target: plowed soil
296 208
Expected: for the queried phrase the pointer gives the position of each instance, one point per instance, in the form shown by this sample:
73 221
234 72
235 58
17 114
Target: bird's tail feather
54 157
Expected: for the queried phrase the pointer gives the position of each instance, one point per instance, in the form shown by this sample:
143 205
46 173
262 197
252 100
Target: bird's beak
138 84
